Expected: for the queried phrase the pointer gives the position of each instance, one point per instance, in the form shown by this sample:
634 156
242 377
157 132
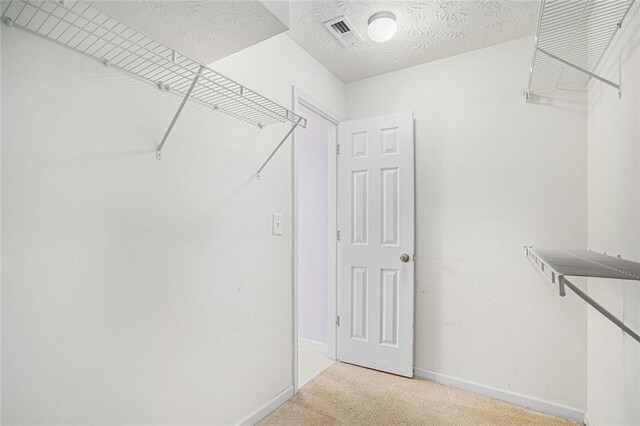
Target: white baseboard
489 391
267 408
504 395
312 344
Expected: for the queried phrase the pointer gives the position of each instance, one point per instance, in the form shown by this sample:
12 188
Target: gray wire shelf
557 265
88 30
572 38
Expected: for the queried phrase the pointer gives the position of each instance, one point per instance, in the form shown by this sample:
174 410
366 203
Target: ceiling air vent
344 31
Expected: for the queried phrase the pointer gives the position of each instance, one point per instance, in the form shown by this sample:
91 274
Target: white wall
614 227
137 291
312 163
1 291
493 173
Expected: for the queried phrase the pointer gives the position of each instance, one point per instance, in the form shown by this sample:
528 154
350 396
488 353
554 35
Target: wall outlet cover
276 226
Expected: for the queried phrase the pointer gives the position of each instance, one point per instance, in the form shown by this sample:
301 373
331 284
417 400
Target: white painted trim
294 253
503 395
587 419
267 408
332 248
314 345
302 99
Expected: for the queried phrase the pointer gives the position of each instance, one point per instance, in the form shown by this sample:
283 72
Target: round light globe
382 26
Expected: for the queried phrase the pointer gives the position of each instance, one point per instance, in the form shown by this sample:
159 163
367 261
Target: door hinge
338 149
338 235
338 320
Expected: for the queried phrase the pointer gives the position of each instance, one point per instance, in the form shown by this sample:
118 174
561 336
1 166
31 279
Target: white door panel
376 223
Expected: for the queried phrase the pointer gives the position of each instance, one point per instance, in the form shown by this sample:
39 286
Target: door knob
405 257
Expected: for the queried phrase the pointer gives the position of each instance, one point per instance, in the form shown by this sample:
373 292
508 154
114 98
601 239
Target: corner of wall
613 359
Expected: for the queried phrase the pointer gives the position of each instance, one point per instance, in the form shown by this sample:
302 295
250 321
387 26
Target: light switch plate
276 226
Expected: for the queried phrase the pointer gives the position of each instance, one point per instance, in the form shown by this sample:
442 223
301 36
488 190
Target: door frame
301 99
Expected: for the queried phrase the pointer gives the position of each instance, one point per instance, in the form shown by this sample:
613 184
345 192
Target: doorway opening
314 240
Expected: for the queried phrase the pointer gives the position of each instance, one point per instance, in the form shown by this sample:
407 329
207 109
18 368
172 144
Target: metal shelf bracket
582 70
571 42
598 307
175 117
296 124
83 27
564 283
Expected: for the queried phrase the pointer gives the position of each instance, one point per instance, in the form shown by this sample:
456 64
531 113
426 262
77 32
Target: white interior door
376 242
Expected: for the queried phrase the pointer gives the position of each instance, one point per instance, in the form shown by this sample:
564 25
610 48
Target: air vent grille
344 31
341 27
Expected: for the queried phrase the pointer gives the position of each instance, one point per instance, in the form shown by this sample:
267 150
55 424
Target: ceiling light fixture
382 26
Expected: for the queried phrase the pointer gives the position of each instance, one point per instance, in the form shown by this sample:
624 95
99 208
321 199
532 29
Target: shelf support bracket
598 307
561 285
296 124
563 282
582 70
175 117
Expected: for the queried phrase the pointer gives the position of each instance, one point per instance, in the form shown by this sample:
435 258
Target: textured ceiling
427 30
203 30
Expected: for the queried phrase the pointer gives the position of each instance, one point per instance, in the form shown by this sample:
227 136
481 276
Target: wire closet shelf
88 30
571 40
557 265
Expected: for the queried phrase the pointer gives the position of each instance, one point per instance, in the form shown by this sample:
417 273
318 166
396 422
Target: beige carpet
348 395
